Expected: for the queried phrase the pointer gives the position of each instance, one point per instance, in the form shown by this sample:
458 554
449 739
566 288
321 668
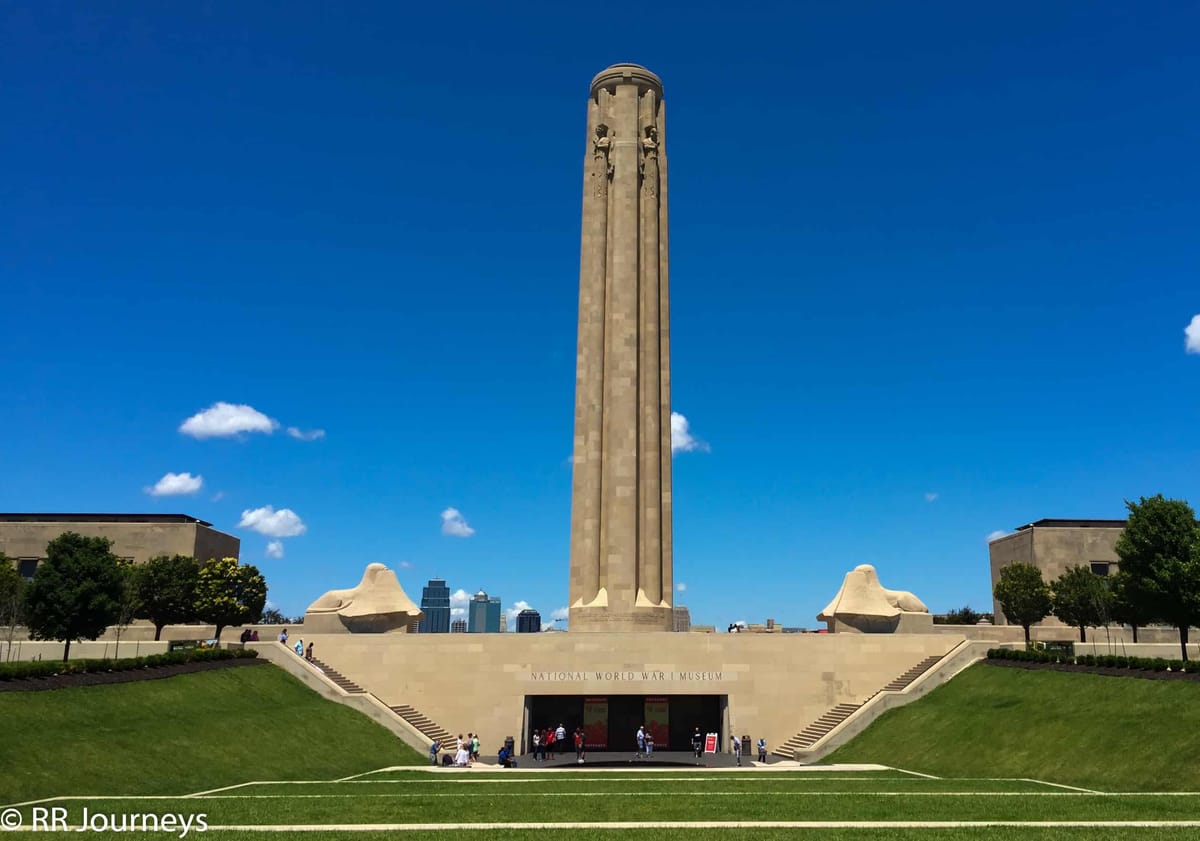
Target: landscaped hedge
1110 661
50 668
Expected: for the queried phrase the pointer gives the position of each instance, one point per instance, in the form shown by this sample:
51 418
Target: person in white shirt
737 748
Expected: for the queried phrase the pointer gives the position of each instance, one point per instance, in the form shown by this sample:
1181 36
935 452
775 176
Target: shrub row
51 668
1112 661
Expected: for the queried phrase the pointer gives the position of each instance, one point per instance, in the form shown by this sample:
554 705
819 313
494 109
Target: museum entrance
610 722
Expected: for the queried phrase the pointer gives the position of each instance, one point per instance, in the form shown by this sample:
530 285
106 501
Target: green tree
127 603
963 616
229 594
1081 599
272 616
1023 595
1160 550
76 592
1130 604
166 590
12 599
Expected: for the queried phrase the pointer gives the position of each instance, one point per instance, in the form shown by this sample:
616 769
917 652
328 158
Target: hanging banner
595 723
658 721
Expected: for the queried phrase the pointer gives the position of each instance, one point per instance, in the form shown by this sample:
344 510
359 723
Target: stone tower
621 497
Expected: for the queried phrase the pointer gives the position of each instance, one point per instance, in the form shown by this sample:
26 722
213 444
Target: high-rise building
483 614
458 626
435 604
621 493
503 622
529 621
681 618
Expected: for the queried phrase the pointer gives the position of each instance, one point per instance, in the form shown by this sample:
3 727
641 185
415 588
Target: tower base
587 619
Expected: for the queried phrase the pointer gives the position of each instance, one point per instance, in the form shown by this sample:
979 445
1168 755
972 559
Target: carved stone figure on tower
601 167
650 163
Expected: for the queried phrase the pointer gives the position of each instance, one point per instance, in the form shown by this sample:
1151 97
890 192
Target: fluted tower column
621 497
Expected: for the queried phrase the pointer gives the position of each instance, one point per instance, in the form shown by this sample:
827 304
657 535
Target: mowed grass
182 734
1109 733
473 799
733 834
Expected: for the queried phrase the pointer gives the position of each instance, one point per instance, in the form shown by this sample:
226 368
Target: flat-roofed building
1054 546
137 537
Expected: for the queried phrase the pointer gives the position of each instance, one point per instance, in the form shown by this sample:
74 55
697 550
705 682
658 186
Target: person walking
433 752
698 744
578 745
641 741
308 652
737 749
537 746
762 750
649 742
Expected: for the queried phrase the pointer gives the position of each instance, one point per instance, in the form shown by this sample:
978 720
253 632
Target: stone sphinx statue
376 606
863 605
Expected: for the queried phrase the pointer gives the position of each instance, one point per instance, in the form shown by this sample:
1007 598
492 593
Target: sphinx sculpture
377 605
863 605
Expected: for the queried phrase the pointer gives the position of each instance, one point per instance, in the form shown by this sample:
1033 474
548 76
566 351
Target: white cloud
513 611
174 484
224 420
305 435
218 496
996 535
275 549
560 614
404 565
682 440
266 520
458 602
455 524
931 497
1192 332
681 587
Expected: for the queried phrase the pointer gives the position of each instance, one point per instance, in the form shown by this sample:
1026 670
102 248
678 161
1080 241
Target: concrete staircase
427 726
814 732
344 683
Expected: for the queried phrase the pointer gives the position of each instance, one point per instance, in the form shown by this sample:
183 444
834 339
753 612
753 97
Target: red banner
595 723
658 721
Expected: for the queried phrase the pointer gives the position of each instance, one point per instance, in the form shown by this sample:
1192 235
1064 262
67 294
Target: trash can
746 746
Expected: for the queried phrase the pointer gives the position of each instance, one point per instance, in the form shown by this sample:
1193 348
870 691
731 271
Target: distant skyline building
681 618
483 615
458 626
435 604
529 621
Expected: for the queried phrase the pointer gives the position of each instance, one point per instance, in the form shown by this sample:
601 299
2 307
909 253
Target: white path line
571 778
455 827
756 793
915 773
369 773
639 793
1058 785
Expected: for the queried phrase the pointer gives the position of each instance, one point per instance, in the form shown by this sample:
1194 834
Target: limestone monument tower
621 496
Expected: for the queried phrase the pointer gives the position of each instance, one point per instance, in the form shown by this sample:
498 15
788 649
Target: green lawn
181 734
1109 733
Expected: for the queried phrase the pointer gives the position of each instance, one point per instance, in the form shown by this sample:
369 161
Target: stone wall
776 684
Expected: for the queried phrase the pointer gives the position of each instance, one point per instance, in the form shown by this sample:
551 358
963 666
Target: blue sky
932 267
